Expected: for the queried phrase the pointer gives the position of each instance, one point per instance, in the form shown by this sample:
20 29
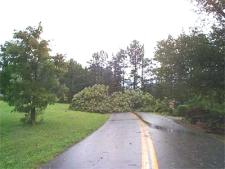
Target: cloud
79 28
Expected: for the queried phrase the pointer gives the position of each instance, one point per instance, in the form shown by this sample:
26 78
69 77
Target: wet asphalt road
178 147
118 144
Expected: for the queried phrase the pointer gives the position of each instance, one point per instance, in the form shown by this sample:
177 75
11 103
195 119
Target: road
178 147
126 142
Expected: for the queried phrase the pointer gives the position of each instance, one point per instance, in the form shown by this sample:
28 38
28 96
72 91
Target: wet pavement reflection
116 145
178 147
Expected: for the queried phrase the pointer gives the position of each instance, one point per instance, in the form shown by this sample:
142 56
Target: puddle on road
175 131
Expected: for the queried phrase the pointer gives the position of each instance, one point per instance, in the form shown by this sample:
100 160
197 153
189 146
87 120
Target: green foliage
204 109
190 64
217 8
135 52
118 66
138 99
92 99
99 69
207 103
25 147
181 110
28 78
96 99
130 100
75 78
120 102
60 70
191 70
162 106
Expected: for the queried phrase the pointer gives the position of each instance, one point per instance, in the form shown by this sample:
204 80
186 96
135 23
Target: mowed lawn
26 147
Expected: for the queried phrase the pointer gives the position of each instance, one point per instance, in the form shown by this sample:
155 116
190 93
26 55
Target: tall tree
146 73
100 69
97 65
61 70
118 66
135 52
76 78
28 77
189 65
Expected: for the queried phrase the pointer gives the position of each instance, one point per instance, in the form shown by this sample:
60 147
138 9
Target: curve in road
126 142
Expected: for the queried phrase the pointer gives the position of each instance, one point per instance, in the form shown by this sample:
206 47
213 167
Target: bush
131 100
120 102
96 99
92 99
146 102
182 110
205 110
162 106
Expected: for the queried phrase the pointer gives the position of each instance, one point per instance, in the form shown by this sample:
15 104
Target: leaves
189 64
28 77
96 99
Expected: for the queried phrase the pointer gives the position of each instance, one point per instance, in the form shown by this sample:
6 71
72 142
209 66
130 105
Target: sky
78 28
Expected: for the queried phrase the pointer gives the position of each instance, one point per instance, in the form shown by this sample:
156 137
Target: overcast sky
79 28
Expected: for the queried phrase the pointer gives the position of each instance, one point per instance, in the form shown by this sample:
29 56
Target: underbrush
204 111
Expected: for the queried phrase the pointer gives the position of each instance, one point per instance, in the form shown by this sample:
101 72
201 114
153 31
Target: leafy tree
190 64
216 7
108 77
61 69
28 75
135 52
75 78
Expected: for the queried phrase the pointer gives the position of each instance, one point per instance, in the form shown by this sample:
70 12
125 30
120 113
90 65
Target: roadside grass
26 147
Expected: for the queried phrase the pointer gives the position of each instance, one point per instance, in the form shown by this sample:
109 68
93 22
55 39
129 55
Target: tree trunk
142 73
123 82
135 76
33 116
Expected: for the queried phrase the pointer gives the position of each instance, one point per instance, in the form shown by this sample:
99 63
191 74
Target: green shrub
207 103
131 100
92 99
182 109
207 110
120 102
134 99
96 99
162 106
147 102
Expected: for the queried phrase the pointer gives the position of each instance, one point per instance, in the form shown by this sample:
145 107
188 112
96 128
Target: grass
26 147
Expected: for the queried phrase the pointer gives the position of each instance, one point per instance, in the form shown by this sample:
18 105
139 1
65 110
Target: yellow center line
147 148
144 151
152 151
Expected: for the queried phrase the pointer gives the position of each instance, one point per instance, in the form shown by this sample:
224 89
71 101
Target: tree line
187 69
31 78
125 70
